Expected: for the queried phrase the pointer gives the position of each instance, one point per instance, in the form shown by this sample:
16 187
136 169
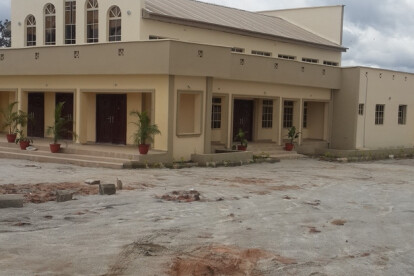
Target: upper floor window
261 53
30 31
70 22
115 24
330 63
286 57
50 24
92 21
237 50
310 60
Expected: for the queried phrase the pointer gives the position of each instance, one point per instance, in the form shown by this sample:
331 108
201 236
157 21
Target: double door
111 118
36 111
243 118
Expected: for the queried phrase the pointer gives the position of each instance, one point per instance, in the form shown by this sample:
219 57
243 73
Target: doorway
111 118
67 112
36 110
243 118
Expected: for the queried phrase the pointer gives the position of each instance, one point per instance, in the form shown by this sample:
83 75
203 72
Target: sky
378 33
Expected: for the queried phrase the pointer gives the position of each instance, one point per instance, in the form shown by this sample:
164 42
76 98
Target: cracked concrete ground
298 217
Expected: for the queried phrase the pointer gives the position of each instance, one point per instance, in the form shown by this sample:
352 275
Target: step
87 150
63 158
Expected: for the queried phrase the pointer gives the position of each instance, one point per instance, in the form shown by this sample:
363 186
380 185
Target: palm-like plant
145 129
13 118
58 129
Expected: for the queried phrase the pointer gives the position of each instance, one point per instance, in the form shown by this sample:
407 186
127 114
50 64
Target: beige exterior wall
186 144
212 37
326 22
345 103
390 89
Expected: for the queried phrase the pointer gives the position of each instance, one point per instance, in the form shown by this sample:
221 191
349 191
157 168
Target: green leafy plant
12 119
59 127
145 129
21 137
293 134
241 138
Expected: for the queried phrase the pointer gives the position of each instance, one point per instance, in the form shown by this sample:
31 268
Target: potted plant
241 137
12 119
58 129
145 131
292 136
23 140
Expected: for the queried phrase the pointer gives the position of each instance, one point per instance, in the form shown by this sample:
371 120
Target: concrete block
93 181
11 201
107 189
63 196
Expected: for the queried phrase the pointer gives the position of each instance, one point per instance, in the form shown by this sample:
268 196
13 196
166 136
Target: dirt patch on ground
224 260
338 222
181 196
41 193
130 253
284 188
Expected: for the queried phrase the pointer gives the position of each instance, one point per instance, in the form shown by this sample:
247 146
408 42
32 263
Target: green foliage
292 134
5 33
241 138
21 137
12 119
59 127
145 129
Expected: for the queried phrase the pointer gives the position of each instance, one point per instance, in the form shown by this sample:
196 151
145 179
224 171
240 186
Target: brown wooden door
243 118
111 119
67 112
36 109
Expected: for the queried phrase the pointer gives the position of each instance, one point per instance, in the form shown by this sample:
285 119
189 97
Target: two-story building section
202 72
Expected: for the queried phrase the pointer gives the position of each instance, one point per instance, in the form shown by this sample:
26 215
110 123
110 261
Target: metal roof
190 12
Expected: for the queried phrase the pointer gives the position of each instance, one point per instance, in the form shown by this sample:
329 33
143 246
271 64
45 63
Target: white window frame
115 15
31 24
50 24
70 16
92 7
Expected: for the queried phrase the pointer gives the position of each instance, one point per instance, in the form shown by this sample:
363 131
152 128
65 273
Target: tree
5 33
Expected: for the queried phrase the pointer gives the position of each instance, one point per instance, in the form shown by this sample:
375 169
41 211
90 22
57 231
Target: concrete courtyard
297 217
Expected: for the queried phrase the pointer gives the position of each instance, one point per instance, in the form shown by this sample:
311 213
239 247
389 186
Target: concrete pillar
80 118
208 107
280 123
171 112
299 128
229 121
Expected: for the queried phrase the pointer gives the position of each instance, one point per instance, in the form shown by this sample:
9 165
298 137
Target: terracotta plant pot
24 145
143 149
241 148
54 148
289 146
11 138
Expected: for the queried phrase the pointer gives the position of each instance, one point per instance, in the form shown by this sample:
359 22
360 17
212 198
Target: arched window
92 21
30 31
114 24
70 22
50 24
